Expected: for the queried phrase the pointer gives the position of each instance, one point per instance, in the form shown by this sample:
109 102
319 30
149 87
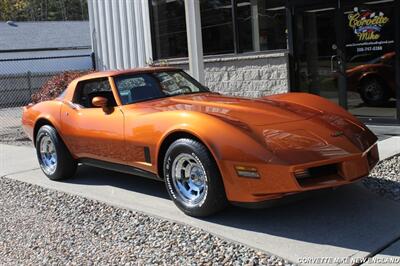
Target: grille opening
324 170
316 175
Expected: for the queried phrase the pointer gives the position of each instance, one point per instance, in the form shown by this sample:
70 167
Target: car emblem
337 134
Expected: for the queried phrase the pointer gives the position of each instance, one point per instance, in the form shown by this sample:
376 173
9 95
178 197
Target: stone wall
246 75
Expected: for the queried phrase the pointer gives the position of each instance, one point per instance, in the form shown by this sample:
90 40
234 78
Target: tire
374 92
203 193
55 161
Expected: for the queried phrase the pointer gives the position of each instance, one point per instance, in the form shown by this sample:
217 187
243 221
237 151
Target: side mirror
99 101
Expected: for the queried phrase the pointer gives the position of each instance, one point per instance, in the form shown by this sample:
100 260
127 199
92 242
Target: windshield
146 86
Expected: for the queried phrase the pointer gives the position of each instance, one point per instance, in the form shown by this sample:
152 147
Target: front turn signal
247 172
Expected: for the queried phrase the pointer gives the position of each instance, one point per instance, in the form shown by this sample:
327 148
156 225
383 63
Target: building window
217 26
261 25
228 26
272 24
247 20
168 28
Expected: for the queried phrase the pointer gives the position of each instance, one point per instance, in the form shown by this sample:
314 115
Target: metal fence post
29 79
93 57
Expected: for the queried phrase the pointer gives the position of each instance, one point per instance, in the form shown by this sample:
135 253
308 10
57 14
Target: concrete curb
388 147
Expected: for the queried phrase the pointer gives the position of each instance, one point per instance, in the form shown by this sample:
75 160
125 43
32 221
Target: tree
43 10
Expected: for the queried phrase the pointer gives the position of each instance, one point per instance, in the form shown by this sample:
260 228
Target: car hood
250 111
280 126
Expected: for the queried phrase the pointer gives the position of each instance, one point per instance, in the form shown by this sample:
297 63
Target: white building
260 47
32 52
25 45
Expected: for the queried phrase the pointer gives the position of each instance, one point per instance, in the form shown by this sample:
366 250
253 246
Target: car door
135 90
89 131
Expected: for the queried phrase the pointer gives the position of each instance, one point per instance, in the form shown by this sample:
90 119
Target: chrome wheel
48 155
189 178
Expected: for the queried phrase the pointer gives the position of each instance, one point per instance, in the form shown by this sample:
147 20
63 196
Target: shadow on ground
349 217
87 175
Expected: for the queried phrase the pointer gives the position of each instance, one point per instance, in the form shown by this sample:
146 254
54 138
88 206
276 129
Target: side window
137 88
87 90
174 83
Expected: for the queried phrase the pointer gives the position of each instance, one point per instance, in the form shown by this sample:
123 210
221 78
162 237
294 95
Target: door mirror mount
102 102
99 101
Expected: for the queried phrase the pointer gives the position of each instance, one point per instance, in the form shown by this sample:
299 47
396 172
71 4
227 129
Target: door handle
71 105
332 64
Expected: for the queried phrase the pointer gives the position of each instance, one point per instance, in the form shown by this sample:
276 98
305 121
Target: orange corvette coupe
209 149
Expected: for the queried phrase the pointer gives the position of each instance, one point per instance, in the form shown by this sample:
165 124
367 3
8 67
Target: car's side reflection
374 80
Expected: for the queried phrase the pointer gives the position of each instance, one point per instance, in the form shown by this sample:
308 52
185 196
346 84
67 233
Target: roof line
45 21
47 49
43 58
113 73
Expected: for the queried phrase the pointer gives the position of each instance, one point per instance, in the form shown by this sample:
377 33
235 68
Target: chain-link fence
20 77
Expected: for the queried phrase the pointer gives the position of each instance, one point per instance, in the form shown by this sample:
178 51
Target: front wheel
54 158
193 179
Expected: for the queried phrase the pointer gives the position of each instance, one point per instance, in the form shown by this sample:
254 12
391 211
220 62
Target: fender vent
147 155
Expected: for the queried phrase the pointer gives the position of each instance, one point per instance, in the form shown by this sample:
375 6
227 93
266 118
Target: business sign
369 30
367 25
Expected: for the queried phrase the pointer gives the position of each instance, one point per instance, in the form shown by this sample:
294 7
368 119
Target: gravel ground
385 178
10 127
41 226
14 136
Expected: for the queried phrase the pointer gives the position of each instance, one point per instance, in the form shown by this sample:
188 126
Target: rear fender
42 113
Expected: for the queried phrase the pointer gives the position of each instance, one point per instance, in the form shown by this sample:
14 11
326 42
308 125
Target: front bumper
279 180
283 200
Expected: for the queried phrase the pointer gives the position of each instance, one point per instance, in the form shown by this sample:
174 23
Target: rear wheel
374 92
54 158
193 179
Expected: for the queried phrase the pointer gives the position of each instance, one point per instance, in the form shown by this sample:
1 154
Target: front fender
333 114
314 102
224 140
228 144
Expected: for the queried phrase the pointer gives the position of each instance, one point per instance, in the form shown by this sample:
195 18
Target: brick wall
249 76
